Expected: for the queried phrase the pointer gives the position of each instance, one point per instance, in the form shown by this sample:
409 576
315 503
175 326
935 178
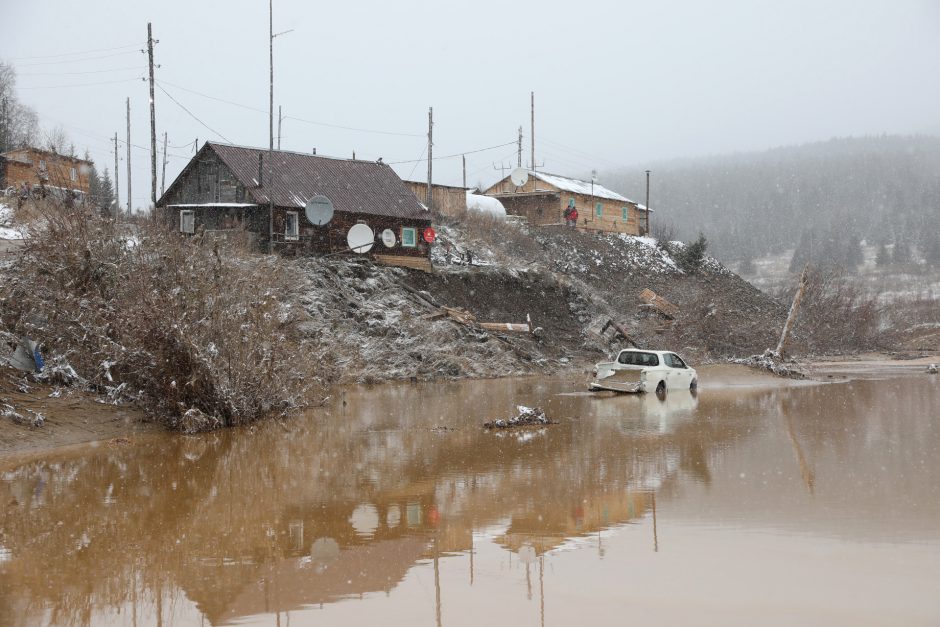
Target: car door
682 374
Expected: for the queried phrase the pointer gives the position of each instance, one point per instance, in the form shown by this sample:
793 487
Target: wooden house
446 200
226 188
47 171
544 197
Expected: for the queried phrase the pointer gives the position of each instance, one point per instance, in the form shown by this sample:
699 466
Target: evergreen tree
883 257
94 187
692 256
902 250
106 195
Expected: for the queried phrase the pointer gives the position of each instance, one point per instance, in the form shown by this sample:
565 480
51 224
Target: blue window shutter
599 208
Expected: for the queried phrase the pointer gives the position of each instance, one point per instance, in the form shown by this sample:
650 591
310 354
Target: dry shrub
194 331
836 314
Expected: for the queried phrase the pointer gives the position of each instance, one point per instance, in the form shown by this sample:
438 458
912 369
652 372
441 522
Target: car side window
676 362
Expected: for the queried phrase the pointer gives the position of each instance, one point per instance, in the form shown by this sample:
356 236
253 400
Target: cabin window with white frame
599 209
626 213
73 174
187 221
409 236
292 226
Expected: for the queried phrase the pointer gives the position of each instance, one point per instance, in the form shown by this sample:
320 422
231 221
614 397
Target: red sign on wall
429 235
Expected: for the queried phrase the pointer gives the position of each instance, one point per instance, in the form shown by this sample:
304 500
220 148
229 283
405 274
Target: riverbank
72 418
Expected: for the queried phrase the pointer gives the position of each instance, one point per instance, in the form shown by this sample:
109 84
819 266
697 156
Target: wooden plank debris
465 317
661 305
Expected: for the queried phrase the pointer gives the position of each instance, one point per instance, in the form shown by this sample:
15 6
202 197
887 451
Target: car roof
643 350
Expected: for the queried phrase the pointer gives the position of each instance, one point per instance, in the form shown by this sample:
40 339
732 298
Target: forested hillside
822 198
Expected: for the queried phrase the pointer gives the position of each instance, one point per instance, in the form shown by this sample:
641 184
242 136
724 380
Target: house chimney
260 156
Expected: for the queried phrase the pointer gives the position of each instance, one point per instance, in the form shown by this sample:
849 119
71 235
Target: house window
73 175
409 236
626 213
187 221
42 164
599 209
292 227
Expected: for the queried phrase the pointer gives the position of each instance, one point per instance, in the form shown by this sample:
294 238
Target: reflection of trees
230 518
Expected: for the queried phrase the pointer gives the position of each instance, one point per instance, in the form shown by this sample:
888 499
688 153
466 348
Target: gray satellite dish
360 238
319 210
388 238
519 176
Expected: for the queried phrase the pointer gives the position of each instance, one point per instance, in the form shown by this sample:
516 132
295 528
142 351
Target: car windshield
637 358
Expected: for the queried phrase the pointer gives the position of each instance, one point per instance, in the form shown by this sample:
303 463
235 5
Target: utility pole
163 175
519 149
130 202
271 124
533 131
647 203
430 152
280 120
112 211
463 158
153 122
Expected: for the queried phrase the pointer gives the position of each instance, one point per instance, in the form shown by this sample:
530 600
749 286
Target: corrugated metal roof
352 186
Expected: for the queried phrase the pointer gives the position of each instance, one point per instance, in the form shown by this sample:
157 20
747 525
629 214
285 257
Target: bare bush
194 331
836 314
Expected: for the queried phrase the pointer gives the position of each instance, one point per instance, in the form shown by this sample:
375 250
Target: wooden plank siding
446 200
543 203
222 203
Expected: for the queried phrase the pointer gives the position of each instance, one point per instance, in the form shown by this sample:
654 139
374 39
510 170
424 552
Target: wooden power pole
533 131
112 211
280 120
463 159
519 149
271 124
430 152
163 174
130 202
153 121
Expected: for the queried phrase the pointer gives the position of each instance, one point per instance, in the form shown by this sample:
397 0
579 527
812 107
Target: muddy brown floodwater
748 505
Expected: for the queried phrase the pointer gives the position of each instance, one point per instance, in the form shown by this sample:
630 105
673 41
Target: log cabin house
544 197
446 200
227 188
45 171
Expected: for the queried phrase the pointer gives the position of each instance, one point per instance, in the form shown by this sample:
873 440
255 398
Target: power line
126 80
459 154
116 69
104 56
193 115
290 117
71 54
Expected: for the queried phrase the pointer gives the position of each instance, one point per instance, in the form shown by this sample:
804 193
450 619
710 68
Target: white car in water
637 370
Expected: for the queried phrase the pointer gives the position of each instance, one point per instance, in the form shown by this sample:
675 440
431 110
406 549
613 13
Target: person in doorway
567 215
573 217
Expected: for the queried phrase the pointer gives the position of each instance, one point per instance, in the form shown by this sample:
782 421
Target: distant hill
821 198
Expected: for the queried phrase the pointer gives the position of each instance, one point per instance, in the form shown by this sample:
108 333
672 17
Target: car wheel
694 384
661 388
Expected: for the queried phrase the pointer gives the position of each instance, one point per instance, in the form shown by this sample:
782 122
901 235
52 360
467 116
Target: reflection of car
644 371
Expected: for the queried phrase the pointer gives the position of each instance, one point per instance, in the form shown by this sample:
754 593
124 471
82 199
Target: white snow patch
7 229
485 204
579 187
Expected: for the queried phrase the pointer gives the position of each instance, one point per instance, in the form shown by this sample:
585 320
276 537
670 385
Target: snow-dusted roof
578 187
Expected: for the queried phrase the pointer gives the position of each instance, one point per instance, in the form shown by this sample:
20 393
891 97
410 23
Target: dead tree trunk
794 308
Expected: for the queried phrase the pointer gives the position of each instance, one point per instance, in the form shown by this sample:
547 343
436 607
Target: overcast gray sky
616 83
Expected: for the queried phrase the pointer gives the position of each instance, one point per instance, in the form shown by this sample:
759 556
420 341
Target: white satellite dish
388 238
519 176
360 238
319 210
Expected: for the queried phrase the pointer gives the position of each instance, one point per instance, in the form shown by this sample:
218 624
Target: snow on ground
7 229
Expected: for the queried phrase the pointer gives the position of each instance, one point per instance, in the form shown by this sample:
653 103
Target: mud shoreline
74 419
